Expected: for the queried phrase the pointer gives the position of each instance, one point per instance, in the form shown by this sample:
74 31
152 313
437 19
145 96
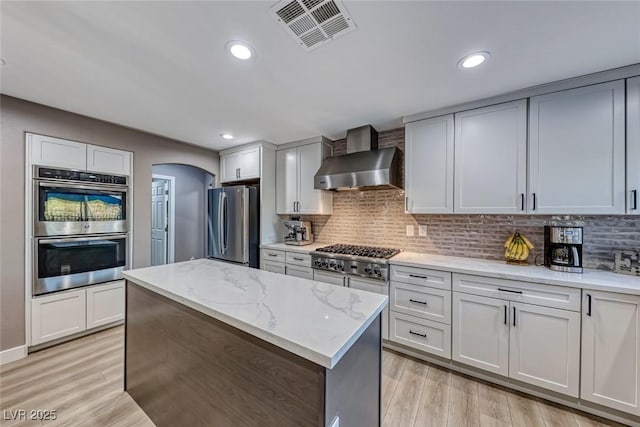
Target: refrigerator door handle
220 223
225 219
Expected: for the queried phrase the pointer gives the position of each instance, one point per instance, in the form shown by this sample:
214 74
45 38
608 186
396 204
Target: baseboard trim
13 354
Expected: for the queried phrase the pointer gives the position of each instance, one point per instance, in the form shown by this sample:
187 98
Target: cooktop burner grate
364 251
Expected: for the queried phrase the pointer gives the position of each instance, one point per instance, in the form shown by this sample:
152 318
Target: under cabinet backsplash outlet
409 230
422 230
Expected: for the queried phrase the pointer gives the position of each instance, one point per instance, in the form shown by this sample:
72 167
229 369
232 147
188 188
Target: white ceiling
161 66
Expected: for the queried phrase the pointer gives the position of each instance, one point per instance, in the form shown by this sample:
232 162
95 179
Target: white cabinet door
105 304
611 350
633 146
108 160
428 173
49 151
491 159
230 165
303 272
310 200
58 315
286 180
274 267
329 277
577 151
545 347
250 163
481 332
377 287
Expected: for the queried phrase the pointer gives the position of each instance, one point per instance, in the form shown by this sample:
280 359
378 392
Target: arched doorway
179 212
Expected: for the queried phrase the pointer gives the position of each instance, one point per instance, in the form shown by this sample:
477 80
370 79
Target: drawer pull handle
634 193
509 290
298 259
417 302
417 333
417 276
272 254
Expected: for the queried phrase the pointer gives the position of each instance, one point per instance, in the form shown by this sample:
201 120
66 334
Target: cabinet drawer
329 277
273 255
274 267
297 258
425 335
532 293
427 303
421 276
303 272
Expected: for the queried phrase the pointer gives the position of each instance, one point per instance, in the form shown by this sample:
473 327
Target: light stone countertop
598 280
316 321
305 249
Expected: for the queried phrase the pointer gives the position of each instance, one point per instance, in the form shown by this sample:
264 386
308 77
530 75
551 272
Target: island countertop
313 320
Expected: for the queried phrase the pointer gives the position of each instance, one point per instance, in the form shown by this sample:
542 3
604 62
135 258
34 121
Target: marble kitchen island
211 343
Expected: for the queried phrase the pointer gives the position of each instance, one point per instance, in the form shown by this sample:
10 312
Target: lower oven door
71 262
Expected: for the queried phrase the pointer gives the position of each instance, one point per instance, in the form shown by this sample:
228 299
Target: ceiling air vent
312 23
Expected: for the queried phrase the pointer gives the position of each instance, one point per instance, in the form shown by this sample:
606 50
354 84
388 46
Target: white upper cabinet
633 146
48 151
577 151
240 165
108 160
295 169
286 180
491 159
611 350
428 173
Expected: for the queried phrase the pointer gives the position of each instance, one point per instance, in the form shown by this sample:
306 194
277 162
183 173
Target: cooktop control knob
340 266
367 270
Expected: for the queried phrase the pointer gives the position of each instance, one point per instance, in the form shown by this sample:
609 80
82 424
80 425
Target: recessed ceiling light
226 135
473 60
239 49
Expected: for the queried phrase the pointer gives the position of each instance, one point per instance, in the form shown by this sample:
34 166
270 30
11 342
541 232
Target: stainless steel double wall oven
80 228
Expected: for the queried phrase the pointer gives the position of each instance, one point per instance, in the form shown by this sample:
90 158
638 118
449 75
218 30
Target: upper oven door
63 209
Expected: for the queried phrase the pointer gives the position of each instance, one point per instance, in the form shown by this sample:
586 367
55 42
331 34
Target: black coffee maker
563 248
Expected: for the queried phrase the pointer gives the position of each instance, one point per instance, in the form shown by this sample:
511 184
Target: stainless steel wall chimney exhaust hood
364 167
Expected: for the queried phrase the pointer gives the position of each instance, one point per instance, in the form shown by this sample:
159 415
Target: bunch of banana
517 247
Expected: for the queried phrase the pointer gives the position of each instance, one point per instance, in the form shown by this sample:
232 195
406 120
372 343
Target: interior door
159 209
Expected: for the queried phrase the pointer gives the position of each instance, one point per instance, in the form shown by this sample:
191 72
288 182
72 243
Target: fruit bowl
517 249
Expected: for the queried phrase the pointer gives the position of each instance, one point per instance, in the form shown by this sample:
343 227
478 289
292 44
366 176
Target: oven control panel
371 269
79 176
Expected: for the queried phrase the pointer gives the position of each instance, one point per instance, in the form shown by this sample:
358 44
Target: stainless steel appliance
364 167
70 262
563 248
233 224
363 261
71 202
298 232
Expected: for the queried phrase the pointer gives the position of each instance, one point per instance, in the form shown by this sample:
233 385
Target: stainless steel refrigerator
234 225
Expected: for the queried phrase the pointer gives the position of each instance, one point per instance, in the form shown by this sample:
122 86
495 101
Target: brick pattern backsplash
377 218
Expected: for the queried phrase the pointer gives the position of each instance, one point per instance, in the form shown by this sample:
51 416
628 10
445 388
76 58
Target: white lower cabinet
297 271
58 315
105 304
481 332
611 350
529 343
274 267
425 335
544 348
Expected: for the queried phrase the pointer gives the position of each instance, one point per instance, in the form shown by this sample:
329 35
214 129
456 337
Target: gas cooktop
363 251
365 261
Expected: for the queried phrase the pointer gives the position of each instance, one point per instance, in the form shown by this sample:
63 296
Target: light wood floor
83 381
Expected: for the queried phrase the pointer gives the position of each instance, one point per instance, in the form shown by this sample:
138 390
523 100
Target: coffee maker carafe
563 248
298 232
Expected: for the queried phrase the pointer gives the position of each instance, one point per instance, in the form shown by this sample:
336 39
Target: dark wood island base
185 368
